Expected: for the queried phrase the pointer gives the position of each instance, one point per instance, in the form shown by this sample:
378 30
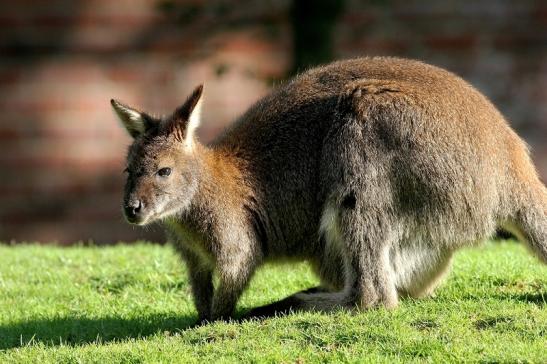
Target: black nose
133 208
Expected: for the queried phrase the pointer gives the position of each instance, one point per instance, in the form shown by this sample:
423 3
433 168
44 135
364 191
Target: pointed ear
135 122
186 118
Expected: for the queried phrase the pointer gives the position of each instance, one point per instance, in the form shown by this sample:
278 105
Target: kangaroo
375 170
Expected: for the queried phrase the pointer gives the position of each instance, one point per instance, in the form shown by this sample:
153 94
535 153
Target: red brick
461 42
63 149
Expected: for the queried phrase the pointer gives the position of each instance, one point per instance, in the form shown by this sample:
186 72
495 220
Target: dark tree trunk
313 23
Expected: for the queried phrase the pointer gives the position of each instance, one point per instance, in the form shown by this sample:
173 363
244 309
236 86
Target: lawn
131 304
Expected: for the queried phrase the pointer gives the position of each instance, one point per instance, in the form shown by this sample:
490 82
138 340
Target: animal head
162 163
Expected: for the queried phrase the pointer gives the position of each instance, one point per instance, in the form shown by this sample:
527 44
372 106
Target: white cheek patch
161 204
162 210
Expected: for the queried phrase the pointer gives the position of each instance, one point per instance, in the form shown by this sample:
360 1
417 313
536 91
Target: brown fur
375 170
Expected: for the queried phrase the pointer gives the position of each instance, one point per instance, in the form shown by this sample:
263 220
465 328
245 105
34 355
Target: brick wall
61 61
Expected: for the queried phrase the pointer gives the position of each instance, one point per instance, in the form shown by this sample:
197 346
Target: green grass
131 304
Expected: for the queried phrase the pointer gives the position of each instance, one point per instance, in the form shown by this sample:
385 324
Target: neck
222 187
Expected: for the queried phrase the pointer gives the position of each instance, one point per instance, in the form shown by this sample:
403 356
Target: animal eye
164 172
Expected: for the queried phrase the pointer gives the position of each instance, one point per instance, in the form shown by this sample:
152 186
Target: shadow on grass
79 331
536 298
75 331
539 298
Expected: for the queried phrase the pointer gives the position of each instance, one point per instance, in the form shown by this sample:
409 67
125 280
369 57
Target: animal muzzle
133 210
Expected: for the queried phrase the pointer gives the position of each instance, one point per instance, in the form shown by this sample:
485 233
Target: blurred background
63 150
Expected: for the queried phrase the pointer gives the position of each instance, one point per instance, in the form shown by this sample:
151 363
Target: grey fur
375 170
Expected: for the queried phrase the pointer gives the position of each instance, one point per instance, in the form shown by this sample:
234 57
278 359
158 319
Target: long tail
529 221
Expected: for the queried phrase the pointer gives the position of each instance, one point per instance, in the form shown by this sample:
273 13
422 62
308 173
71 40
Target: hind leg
330 270
329 266
367 239
359 240
361 273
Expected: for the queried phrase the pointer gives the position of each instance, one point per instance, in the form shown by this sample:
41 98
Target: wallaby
375 170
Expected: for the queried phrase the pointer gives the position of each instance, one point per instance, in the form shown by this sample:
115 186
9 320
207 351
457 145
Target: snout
133 210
